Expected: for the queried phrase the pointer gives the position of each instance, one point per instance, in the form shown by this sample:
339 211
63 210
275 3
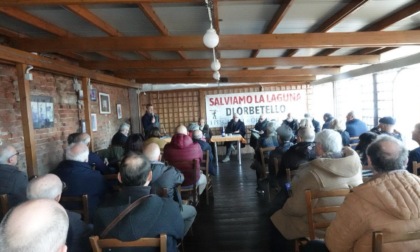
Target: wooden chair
99 244
187 191
313 211
4 203
264 154
379 238
416 166
81 201
204 166
112 179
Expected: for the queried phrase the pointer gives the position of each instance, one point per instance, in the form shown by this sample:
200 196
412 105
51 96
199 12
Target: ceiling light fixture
210 39
216 75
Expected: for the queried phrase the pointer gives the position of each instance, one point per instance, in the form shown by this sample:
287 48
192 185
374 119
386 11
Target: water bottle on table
223 131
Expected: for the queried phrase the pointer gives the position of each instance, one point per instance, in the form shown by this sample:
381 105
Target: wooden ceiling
261 41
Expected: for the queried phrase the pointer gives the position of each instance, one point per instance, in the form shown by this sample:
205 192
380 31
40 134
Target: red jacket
181 148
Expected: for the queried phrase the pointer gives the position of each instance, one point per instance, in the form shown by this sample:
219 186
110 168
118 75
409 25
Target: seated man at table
183 148
259 130
235 126
198 138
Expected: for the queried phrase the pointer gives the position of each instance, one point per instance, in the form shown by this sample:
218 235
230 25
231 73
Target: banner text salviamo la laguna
249 106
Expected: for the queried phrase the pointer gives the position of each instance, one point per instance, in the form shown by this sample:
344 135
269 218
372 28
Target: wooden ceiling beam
239 62
277 79
227 42
56 66
66 2
227 73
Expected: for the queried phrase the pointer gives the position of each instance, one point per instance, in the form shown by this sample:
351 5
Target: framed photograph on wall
93 122
119 112
104 105
93 94
42 111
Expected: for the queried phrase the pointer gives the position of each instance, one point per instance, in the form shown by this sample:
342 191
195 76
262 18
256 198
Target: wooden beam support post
27 122
86 104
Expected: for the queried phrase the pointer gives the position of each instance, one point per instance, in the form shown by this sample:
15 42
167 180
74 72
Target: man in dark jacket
79 176
235 126
12 181
49 186
197 138
259 130
414 155
121 136
166 176
155 215
149 120
94 160
327 120
183 148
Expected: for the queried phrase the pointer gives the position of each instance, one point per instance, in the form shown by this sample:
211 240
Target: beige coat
389 203
321 173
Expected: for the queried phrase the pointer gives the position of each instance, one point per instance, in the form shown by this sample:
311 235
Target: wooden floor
236 218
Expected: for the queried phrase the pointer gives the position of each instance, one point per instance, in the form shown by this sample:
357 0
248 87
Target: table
221 139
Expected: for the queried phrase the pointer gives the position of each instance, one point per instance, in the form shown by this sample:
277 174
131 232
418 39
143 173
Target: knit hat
387 120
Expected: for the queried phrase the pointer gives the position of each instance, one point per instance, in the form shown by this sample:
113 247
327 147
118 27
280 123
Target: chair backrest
416 166
4 203
205 162
379 238
99 244
313 210
194 164
264 152
81 201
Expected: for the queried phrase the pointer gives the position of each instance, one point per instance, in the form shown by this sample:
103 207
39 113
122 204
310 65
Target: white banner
249 106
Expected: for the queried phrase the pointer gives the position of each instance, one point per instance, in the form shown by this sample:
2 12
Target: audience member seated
204 127
183 148
149 120
12 181
259 129
35 226
334 167
268 139
49 186
135 143
155 215
314 122
339 126
284 136
155 137
388 202
364 140
235 126
386 126
79 176
94 160
292 123
166 176
198 138
355 127
414 155
302 152
116 149
327 121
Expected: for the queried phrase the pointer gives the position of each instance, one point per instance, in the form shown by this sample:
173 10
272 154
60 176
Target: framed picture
93 122
104 105
42 111
93 94
119 112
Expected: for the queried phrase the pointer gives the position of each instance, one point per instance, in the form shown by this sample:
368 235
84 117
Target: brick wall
51 142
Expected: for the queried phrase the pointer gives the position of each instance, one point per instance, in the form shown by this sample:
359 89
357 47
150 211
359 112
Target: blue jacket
356 127
80 179
152 217
13 183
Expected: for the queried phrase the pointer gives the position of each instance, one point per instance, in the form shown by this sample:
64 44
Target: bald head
8 155
135 170
181 129
84 138
197 134
387 153
48 186
36 225
77 152
152 152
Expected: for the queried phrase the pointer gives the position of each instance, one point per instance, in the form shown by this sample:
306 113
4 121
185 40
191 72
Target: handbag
122 215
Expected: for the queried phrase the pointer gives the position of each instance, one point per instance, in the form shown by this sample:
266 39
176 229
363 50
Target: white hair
77 152
330 141
124 126
5 153
47 186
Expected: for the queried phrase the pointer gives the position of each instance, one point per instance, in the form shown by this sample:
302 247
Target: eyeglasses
16 154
